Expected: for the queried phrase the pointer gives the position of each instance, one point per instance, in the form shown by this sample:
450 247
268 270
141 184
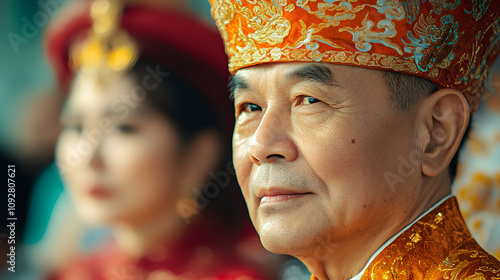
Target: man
349 115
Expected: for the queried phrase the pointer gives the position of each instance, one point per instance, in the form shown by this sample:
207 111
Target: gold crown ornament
107 46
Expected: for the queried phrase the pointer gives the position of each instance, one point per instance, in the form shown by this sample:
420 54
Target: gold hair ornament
107 45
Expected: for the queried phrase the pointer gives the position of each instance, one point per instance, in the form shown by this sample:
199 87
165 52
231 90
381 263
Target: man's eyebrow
236 82
316 73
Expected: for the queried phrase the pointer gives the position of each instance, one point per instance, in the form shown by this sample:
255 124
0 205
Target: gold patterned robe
438 246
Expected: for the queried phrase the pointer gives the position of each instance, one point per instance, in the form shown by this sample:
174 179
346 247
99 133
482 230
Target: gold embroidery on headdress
450 42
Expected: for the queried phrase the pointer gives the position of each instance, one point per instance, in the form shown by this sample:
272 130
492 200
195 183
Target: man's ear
445 117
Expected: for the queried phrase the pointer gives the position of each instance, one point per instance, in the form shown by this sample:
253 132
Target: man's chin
279 238
277 246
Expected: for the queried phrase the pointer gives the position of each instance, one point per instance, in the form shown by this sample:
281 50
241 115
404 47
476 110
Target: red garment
202 253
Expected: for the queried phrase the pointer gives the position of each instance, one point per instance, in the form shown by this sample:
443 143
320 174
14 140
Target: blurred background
29 109
30 104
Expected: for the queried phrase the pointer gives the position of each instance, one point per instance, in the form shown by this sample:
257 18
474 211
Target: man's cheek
243 183
242 165
252 212
240 150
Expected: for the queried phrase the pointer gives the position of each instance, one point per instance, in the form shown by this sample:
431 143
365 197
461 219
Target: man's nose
271 141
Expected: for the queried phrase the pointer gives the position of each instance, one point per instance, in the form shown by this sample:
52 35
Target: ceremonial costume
451 43
437 246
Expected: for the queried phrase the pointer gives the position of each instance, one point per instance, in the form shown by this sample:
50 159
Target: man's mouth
277 195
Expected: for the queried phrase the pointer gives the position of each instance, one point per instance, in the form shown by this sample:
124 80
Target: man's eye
250 107
309 100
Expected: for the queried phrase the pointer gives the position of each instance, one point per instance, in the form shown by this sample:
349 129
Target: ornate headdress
107 45
106 35
92 33
450 42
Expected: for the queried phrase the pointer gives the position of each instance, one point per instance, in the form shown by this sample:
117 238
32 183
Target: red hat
450 42
163 36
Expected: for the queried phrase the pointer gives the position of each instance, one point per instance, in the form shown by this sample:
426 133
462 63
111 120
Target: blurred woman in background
144 143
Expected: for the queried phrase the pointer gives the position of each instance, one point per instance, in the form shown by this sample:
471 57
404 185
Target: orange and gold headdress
450 42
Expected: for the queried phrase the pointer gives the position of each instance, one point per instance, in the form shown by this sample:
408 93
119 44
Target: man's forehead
281 73
327 74
276 67
320 76
282 69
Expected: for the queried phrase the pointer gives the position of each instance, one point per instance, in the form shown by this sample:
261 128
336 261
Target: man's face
313 144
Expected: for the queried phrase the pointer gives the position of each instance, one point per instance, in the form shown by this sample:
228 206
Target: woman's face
118 157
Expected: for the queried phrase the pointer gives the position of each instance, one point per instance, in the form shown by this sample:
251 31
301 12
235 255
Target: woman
145 128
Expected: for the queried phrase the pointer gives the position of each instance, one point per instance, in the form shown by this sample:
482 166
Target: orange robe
438 246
